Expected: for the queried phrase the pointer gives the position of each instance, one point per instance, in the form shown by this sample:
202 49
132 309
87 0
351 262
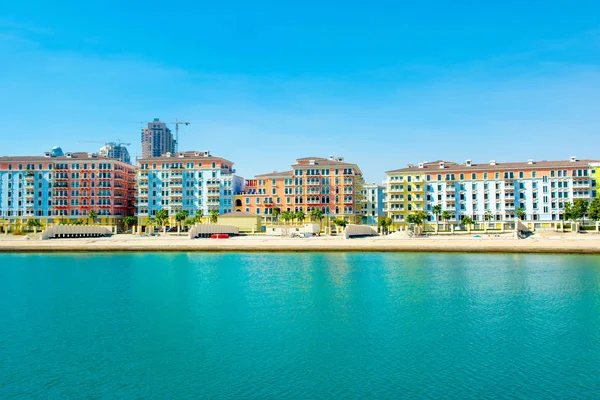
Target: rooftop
186 155
337 161
48 157
275 174
449 166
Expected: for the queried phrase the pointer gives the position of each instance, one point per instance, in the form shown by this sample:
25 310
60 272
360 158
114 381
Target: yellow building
405 195
595 176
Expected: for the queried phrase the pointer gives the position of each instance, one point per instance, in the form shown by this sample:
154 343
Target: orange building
330 184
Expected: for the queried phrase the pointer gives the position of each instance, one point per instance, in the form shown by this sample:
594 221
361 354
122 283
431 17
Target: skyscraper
157 140
115 150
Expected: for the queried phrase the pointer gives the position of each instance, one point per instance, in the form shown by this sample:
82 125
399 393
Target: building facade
373 195
330 184
157 140
186 181
493 191
54 187
115 150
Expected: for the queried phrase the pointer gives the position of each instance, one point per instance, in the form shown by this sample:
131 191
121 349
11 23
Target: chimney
410 165
331 157
340 159
468 163
181 155
47 154
442 164
573 159
420 165
206 153
492 162
69 155
530 161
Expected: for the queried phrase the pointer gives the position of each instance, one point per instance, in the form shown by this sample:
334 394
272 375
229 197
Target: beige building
245 221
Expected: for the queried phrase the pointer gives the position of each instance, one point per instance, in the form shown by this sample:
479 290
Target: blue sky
380 83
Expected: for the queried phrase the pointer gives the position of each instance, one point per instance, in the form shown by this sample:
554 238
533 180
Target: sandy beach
549 243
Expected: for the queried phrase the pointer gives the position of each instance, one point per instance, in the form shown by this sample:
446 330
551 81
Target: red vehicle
219 236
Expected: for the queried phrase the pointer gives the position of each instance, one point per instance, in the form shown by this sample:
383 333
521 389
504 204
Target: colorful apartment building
492 191
330 184
266 192
373 195
60 186
186 181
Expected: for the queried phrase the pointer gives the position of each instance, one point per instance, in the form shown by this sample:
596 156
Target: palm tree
161 217
180 216
214 216
151 222
34 224
339 223
383 225
316 214
287 216
300 216
488 215
389 222
276 213
468 221
199 215
446 217
129 221
93 216
437 210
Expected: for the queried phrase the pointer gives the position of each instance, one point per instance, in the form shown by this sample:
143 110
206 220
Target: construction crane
176 123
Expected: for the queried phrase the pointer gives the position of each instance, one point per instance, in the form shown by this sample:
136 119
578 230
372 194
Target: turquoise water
298 326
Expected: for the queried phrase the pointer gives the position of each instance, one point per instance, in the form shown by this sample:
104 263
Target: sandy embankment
560 244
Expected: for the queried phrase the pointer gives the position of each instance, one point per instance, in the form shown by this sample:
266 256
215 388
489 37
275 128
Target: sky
263 83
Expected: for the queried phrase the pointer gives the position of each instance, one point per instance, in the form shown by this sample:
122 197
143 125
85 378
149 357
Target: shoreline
556 245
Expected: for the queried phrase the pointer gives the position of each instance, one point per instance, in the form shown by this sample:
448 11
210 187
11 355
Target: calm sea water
299 326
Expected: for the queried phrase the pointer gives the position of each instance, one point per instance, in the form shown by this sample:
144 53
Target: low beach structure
75 231
359 231
206 230
293 230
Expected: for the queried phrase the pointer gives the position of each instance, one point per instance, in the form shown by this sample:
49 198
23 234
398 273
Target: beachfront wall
489 192
75 231
204 230
359 230
246 222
